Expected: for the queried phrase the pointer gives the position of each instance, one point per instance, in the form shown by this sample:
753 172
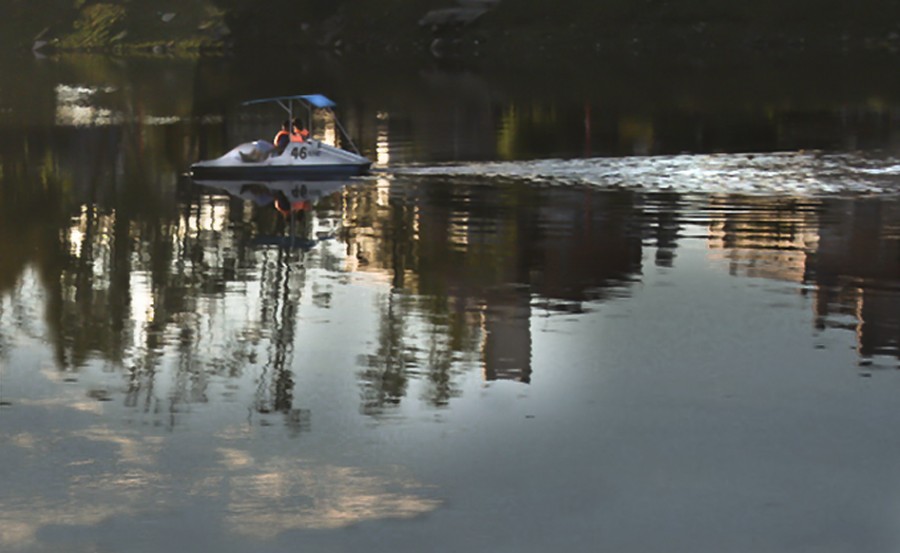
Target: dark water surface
561 321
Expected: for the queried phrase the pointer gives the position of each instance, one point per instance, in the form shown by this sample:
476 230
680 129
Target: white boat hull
312 159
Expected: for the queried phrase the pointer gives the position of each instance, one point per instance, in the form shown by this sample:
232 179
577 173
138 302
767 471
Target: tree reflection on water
144 276
140 270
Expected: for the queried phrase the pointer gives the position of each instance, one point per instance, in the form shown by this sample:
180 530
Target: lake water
572 319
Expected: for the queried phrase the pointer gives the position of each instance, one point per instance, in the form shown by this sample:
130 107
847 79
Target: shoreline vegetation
457 29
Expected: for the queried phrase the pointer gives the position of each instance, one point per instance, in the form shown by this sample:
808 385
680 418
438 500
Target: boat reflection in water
292 199
295 232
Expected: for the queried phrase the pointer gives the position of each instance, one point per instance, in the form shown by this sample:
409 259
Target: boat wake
793 173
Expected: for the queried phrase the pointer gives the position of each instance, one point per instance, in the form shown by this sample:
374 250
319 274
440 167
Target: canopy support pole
346 134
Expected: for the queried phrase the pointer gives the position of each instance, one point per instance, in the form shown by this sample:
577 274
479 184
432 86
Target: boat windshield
262 146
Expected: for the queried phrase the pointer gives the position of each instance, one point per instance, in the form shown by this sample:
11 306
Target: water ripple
792 173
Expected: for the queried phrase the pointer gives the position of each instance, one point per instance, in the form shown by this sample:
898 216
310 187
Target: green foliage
124 26
95 26
389 25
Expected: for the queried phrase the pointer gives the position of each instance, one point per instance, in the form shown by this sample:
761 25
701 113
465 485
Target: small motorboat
309 159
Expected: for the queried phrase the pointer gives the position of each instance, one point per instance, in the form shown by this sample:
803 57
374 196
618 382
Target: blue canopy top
315 100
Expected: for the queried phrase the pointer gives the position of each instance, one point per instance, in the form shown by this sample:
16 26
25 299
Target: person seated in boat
282 137
298 134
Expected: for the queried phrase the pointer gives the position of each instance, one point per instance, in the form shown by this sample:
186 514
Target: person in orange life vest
299 134
282 137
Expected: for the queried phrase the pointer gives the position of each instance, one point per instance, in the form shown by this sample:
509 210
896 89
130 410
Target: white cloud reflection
81 482
287 494
20 525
